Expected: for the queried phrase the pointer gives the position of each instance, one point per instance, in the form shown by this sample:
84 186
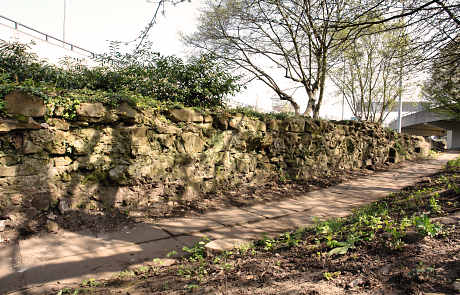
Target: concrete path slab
180 226
140 233
232 216
71 257
270 210
100 263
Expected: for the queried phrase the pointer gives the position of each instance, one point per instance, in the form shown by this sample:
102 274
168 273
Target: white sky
90 23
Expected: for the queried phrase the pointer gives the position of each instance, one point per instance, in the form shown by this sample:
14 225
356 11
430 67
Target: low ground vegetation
405 243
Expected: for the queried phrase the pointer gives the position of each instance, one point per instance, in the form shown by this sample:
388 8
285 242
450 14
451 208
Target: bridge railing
47 37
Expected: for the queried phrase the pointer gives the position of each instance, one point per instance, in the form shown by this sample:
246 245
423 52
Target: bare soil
421 265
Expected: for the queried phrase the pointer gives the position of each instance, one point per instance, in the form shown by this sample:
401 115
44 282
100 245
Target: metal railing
48 37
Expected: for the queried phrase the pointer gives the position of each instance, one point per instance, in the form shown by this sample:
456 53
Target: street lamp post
64 20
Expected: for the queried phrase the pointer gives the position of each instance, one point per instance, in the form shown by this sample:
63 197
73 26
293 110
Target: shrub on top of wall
147 76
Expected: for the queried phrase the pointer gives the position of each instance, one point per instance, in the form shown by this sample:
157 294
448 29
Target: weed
331 275
198 251
68 291
421 270
192 287
289 239
424 226
126 274
267 243
171 253
142 270
90 283
434 204
452 164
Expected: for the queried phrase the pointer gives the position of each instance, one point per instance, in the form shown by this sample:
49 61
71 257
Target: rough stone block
222 245
125 111
9 171
91 110
30 148
58 124
192 143
62 161
186 115
11 125
21 103
295 125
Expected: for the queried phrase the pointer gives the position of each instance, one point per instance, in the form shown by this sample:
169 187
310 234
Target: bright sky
90 23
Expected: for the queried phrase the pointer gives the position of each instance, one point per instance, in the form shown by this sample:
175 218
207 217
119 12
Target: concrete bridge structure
426 123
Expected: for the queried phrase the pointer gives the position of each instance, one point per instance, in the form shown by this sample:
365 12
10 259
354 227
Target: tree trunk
311 103
322 82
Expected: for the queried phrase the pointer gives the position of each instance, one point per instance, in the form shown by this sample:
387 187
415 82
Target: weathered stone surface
138 135
62 161
186 115
21 103
294 125
118 174
59 124
91 110
422 148
52 226
30 148
207 119
41 201
11 125
221 245
9 171
242 123
456 285
204 154
192 143
64 206
125 111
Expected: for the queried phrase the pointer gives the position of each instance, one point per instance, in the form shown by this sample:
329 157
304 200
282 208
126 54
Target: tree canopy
293 42
277 42
442 89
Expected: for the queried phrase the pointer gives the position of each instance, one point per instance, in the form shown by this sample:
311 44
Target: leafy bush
200 82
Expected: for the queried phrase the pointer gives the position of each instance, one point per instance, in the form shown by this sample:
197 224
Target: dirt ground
418 264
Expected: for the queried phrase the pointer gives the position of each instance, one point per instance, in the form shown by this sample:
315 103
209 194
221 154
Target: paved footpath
50 261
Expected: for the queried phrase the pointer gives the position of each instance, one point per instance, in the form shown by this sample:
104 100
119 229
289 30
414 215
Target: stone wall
105 155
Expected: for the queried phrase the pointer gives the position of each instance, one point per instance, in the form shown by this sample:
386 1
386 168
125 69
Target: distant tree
431 24
442 89
276 42
370 75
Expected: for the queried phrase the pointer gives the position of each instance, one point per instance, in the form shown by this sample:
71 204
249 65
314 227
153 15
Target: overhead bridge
428 123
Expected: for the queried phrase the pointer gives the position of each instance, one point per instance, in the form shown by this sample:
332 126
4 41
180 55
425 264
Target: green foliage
68 291
90 283
267 243
434 204
423 225
453 164
331 275
442 89
198 251
144 76
171 254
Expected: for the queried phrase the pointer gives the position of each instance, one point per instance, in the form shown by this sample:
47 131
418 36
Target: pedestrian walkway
48 261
